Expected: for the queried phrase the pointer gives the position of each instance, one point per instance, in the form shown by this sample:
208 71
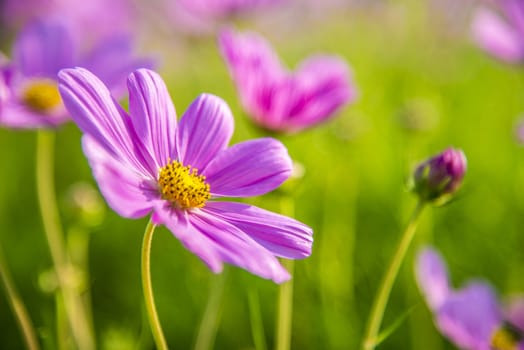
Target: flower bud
439 177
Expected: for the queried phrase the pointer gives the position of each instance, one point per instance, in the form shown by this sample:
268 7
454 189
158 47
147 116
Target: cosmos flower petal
153 114
15 115
326 86
432 277
42 49
237 248
204 130
470 316
112 60
249 168
246 51
127 192
280 100
96 113
497 37
282 236
178 223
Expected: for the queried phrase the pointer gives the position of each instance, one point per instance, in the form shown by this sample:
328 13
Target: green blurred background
423 86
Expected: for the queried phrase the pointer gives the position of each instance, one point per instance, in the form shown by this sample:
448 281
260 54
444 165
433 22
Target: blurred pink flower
501 31
86 20
471 317
29 95
204 15
278 99
147 162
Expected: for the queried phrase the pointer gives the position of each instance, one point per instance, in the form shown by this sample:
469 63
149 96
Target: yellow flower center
42 95
506 337
182 186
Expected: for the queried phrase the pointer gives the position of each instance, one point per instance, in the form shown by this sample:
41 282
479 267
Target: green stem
149 299
73 306
18 307
209 325
381 299
257 326
285 310
285 292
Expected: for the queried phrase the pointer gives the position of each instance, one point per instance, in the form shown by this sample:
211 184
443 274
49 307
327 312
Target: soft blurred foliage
423 86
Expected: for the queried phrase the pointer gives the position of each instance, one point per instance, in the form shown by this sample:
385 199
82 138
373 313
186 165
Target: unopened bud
439 177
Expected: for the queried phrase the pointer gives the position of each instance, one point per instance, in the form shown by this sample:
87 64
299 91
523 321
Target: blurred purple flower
440 176
86 20
146 162
29 95
204 15
470 317
280 100
501 32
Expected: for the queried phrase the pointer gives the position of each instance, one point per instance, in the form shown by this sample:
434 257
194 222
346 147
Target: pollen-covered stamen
41 95
183 186
507 337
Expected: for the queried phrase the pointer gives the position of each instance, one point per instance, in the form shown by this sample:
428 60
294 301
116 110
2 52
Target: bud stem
381 299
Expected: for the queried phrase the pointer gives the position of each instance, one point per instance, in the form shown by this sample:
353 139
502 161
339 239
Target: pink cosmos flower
471 317
278 99
29 95
501 33
147 162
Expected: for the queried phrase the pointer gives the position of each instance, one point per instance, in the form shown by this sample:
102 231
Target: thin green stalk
208 327
149 299
285 310
381 299
18 307
285 292
74 309
257 326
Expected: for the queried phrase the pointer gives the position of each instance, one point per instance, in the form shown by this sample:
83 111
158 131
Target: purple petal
42 49
15 114
432 277
237 248
245 52
282 236
153 115
216 241
127 192
497 37
177 221
249 168
112 61
470 316
325 85
96 113
205 129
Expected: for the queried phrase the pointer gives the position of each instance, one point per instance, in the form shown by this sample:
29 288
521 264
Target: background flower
145 163
471 317
501 34
30 96
280 100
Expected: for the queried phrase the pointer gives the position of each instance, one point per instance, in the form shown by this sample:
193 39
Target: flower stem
285 310
18 307
209 325
149 299
73 305
257 326
285 292
381 299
